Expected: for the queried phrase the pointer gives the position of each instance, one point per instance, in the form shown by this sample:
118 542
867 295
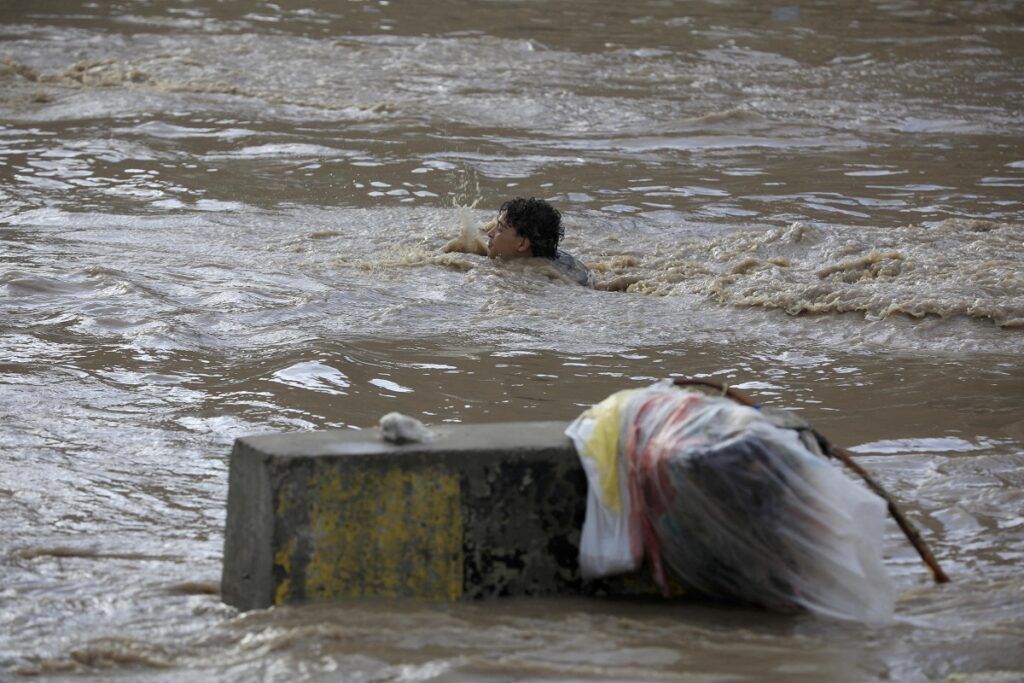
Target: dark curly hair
537 221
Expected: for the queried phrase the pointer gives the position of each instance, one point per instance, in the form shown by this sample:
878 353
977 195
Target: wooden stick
909 530
728 391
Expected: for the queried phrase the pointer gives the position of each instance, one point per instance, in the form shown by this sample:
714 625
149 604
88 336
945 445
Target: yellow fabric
603 445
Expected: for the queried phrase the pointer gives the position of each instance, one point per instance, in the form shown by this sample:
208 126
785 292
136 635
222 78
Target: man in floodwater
532 228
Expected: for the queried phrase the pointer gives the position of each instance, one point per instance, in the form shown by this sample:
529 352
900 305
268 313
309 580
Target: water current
219 219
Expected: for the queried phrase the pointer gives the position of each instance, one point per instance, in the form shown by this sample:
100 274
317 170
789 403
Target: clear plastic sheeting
715 496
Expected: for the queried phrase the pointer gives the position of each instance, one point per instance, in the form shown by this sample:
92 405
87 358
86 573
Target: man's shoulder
573 268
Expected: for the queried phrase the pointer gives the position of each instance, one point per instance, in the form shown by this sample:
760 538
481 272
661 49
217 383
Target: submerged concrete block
483 510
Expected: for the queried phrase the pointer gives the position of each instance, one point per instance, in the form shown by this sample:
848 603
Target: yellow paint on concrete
283 559
384 532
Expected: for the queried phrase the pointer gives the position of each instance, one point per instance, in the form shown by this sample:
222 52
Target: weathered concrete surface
484 510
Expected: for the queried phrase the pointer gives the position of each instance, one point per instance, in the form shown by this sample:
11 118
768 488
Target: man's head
525 227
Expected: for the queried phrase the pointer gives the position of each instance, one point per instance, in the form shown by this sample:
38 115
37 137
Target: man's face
503 241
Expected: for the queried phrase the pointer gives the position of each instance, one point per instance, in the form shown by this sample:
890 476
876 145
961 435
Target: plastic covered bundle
716 496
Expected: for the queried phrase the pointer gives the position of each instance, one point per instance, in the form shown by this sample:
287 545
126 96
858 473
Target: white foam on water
314 376
933 445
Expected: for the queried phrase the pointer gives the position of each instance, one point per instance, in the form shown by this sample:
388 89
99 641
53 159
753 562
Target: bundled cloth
716 496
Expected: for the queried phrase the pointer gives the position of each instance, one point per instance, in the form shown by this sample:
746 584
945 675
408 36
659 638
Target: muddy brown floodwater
219 219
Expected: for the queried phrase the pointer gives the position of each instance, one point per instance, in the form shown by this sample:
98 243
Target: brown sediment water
220 220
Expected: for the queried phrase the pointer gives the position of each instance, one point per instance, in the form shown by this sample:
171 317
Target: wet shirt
572 268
